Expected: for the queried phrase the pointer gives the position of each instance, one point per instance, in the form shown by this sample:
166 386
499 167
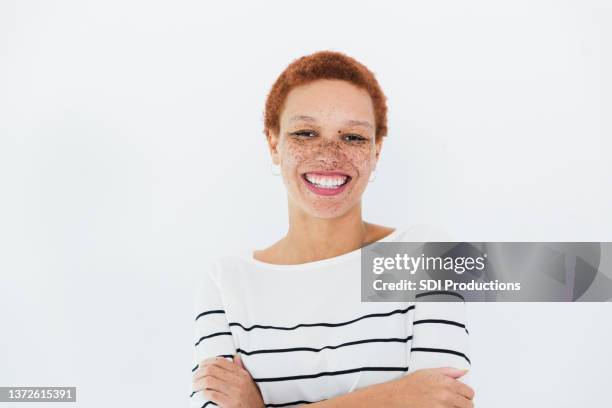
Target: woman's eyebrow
351 122
305 118
354 122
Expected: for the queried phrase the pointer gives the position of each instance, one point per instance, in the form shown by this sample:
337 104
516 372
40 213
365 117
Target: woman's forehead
349 108
300 118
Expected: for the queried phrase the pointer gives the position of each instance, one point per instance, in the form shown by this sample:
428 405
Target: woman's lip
328 173
326 191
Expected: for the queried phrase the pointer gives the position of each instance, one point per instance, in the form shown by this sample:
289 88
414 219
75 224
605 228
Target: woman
284 326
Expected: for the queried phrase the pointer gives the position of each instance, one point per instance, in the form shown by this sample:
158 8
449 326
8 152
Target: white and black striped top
304 334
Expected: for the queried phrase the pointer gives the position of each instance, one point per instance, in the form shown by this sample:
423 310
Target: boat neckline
248 254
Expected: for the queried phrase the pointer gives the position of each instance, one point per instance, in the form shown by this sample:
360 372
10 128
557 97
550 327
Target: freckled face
326 146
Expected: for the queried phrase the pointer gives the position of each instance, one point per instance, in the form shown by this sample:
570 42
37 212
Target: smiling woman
326 149
272 327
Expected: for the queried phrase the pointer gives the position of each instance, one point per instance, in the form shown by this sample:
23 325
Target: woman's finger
216 371
213 383
463 389
218 362
213 360
218 398
238 360
462 402
225 364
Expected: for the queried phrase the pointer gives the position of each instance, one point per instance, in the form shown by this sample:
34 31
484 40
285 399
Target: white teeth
326 181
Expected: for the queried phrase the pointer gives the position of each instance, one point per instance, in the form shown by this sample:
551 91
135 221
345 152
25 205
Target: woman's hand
431 388
226 383
425 388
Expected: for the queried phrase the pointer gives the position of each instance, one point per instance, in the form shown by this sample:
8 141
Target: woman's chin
325 207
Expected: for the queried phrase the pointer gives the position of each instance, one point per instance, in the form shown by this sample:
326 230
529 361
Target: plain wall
132 153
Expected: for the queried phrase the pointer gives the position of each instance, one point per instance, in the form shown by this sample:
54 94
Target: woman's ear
273 146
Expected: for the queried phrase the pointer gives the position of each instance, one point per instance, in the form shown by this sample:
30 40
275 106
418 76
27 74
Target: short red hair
324 65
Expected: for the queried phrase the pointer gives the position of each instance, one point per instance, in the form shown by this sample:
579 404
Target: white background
132 153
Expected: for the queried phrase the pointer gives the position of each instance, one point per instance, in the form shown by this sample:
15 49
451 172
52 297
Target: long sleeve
212 335
440 334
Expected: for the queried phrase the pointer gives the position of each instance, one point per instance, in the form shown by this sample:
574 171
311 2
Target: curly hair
324 65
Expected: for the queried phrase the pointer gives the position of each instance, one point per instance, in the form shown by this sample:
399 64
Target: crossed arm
438 358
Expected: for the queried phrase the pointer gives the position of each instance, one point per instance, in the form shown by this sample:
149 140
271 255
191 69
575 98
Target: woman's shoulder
228 261
221 264
419 232
422 232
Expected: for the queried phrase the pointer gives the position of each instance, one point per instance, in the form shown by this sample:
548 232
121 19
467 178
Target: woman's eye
305 133
354 138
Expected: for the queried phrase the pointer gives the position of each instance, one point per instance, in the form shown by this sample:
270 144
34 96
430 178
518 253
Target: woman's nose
329 153
328 144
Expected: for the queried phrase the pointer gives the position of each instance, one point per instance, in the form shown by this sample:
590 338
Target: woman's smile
326 182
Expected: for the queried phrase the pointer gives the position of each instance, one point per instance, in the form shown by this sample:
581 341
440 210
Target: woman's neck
311 238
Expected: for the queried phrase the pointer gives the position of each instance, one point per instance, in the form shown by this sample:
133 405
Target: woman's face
326 146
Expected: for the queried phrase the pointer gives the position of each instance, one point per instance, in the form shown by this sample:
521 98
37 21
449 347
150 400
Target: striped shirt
304 335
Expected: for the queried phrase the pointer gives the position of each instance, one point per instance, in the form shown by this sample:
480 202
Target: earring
373 173
272 167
